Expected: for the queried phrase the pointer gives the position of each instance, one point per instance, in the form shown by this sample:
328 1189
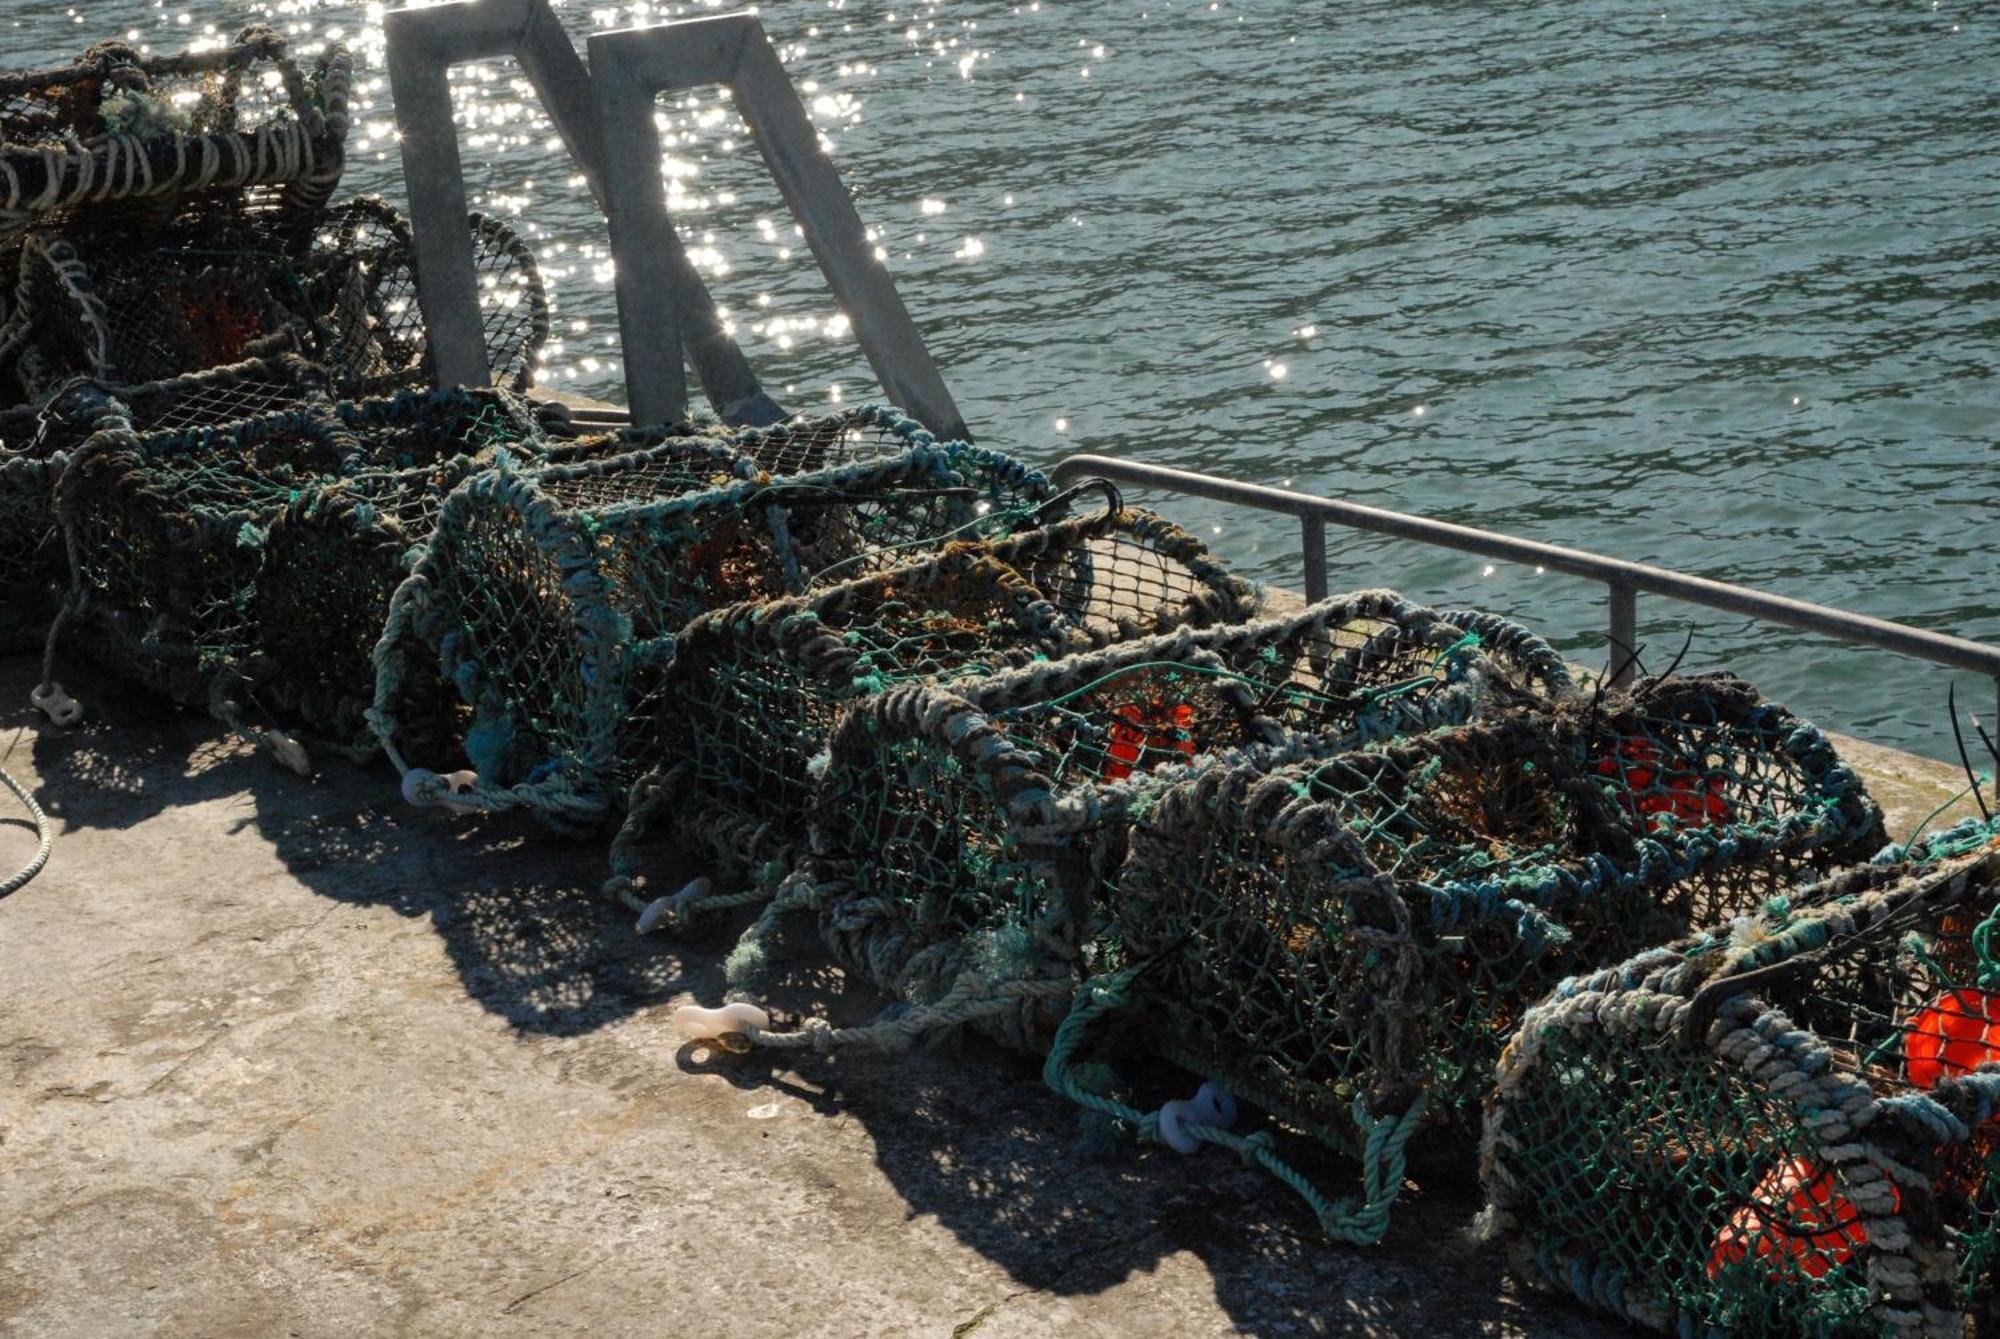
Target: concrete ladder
604 116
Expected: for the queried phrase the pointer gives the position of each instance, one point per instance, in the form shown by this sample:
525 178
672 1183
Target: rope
1385 1139
44 836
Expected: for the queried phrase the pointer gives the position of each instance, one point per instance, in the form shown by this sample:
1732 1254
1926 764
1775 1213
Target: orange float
1954 1035
1795 1221
1655 788
1138 727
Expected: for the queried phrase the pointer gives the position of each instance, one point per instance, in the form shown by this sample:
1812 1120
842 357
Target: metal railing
1623 580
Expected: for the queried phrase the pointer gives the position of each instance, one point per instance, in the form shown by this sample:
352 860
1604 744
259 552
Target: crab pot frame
955 824
118 137
553 603
755 691
168 534
1785 1125
1520 849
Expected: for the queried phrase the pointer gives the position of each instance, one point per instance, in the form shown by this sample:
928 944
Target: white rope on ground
45 837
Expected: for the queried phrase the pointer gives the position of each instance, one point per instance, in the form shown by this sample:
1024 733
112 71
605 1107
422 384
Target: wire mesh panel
954 821
1783 1125
751 701
552 603
119 137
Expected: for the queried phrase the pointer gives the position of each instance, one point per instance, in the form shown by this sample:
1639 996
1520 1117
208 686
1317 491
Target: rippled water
1716 291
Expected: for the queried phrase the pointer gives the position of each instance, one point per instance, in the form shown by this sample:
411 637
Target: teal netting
552 602
751 701
972 829
170 539
1783 1125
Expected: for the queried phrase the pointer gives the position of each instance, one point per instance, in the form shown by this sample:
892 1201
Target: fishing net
229 284
361 289
36 442
963 836
169 537
1263 910
1784 1125
754 692
551 602
120 138
335 555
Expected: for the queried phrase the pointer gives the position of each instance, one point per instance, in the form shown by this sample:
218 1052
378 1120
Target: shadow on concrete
970 1136
966 1132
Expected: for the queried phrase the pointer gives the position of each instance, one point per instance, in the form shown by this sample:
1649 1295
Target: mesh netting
30 554
362 294
170 540
958 830
35 444
752 698
1523 848
1785 1125
335 555
551 602
229 283
120 138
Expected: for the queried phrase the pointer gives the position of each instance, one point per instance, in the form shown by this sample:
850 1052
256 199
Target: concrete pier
282 1057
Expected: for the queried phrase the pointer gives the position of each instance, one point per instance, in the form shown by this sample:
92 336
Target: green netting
751 701
169 537
1508 853
118 138
963 836
35 444
336 554
1784 1125
552 602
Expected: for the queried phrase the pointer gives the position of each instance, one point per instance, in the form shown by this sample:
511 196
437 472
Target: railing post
1624 633
1312 530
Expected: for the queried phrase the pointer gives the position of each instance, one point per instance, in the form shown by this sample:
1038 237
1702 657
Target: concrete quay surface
288 1058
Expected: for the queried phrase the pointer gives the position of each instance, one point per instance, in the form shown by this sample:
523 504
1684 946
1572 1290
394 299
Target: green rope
1384 1139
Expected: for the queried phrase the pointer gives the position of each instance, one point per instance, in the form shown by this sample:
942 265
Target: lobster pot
1782 1126
336 553
167 536
215 289
1518 850
751 701
359 286
552 602
120 312
981 824
35 444
121 138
